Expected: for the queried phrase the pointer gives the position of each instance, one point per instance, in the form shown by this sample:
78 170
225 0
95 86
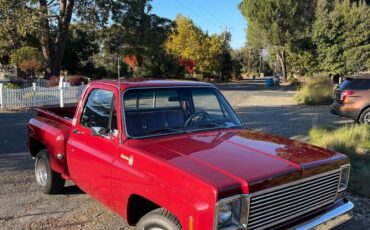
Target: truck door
93 144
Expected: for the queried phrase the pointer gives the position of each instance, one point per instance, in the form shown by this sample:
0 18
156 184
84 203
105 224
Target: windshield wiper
165 130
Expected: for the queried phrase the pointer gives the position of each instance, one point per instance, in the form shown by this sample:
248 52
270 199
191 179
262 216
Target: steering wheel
196 118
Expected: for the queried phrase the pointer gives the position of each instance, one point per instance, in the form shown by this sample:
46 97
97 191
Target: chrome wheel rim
367 118
41 172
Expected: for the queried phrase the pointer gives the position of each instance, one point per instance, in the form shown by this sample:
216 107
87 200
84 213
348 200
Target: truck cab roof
137 82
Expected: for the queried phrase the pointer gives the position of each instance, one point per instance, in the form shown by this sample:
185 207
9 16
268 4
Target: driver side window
99 110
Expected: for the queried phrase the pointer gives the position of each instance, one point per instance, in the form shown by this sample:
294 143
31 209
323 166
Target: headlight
344 178
228 213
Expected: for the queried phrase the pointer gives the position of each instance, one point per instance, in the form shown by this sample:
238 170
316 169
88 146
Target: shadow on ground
289 121
25 163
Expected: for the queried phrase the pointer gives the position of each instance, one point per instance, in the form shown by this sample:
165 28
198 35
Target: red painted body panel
184 173
54 136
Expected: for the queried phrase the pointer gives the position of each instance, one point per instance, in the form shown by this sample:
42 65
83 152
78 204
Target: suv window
100 110
355 84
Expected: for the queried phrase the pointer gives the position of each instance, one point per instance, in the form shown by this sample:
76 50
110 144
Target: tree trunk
65 15
54 52
45 37
282 61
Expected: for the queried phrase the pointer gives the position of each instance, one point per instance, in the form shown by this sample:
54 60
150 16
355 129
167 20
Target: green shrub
28 59
354 141
13 86
26 53
316 91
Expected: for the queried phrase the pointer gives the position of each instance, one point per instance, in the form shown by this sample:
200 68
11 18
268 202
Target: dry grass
354 141
315 91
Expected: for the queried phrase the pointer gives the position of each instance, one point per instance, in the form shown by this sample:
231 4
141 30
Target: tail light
345 94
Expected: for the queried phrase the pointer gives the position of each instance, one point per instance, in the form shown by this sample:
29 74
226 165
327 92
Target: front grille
273 206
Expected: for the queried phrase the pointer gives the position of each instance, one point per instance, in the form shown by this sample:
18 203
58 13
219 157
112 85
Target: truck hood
243 157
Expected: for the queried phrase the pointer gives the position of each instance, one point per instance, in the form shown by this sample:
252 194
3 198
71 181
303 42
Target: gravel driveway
23 207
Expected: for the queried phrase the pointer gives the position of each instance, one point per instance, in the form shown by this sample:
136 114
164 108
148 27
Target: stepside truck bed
51 129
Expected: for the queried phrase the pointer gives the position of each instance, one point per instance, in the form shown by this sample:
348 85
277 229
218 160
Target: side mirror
97 131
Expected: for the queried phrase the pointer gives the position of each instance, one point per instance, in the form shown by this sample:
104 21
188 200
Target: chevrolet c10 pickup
174 155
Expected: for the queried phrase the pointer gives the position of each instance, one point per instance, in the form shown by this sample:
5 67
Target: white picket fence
39 96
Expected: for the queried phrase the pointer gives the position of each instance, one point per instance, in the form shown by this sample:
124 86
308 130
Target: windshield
161 111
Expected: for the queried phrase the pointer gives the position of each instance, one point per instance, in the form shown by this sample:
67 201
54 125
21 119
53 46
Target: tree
328 37
50 20
82 43
341 34
356 35
28 59
276 24
185 41
251 60
209 53
54 21
16 30
140 34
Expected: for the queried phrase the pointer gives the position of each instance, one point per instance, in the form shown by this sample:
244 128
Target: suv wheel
158 219
365 116
49 182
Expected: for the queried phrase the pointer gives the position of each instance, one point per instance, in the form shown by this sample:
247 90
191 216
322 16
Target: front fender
181 193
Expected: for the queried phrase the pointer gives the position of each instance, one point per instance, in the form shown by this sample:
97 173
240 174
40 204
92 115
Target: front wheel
49 182
365 116
158 219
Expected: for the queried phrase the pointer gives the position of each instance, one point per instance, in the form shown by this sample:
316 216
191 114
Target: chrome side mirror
97 131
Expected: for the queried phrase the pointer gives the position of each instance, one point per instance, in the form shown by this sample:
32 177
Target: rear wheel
158 219
49 182
365 116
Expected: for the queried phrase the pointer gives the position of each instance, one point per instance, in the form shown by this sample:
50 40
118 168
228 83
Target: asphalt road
13 131
23 207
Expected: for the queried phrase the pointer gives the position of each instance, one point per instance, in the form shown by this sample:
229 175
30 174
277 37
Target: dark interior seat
143 122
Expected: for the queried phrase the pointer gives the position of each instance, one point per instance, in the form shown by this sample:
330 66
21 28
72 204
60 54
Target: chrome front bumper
328 219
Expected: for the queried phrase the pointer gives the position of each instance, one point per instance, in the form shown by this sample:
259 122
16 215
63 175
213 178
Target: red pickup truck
174 155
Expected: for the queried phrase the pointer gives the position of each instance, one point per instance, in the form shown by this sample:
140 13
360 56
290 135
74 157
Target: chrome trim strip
244 215
329 219
340 177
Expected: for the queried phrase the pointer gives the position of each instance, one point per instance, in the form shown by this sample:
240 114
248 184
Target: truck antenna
119 94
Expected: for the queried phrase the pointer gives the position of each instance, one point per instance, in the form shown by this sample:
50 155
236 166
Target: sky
210 15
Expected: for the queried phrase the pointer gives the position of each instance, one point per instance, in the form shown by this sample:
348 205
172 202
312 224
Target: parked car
174 155
352 99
